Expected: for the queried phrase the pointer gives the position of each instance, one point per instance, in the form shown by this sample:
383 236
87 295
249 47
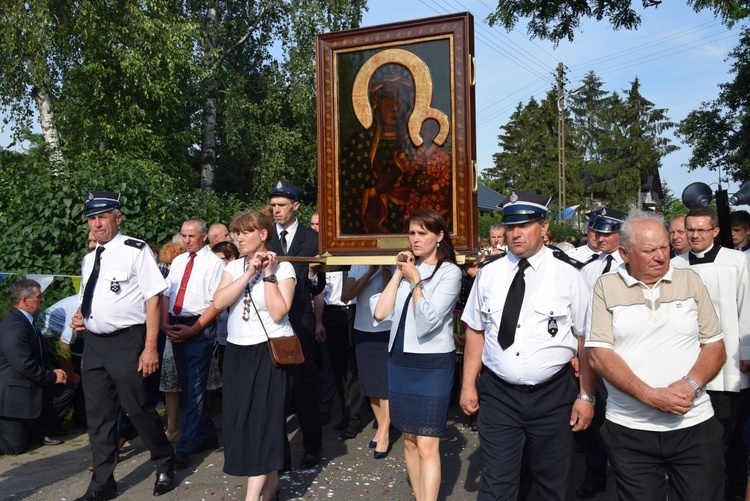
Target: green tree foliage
719 132
41 209
142 78
556 20
613 144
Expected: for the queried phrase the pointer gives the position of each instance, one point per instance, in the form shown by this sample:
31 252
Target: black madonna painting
397 131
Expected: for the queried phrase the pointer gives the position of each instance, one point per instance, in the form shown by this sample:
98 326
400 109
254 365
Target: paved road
348 471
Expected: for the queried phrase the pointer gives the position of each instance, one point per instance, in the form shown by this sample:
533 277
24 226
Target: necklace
248 298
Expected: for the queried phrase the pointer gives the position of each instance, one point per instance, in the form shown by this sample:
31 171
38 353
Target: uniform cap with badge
522 207
286 189
98 202
608 221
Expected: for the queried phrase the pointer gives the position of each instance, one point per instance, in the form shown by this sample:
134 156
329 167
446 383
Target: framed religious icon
396 133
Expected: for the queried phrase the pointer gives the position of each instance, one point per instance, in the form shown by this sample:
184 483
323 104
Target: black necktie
608 266
88 292
282 238
512 309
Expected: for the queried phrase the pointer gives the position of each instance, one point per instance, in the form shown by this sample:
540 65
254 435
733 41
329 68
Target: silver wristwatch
586 398
698 389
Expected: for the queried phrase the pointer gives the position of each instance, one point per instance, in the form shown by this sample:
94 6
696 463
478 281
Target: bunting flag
3 276
76 283
44 280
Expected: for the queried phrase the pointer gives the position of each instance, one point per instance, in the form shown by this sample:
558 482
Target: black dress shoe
181 461
587 490
349 432
164 483
98 495
309 461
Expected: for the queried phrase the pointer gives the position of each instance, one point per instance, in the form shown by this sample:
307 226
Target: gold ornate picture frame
396 133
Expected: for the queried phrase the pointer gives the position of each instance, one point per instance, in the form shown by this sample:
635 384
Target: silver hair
627 234
200 222
497 226
21 289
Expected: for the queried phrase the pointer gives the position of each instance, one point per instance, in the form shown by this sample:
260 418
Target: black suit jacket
24 369
305 244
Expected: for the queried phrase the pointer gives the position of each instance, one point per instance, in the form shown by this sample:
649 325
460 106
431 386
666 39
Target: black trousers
594 449
16 435
303 396
111 379
536 425
732 410
339 324
684 464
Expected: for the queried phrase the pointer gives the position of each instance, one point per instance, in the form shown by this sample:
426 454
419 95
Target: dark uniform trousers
339 324
110 375
512 424
732 410
16 435
303 380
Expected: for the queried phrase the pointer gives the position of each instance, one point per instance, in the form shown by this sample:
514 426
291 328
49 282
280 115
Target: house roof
488 199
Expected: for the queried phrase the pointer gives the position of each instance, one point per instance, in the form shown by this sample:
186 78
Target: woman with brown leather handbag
258 291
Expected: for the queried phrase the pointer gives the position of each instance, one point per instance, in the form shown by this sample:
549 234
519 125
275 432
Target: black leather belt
183 320
337 306
531 388
117 332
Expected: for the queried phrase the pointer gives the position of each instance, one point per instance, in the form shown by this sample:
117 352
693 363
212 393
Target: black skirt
372 362
253 411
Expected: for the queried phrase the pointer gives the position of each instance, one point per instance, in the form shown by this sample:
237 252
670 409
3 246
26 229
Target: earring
438 244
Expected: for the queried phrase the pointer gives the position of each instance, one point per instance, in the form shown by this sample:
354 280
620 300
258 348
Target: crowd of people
637 339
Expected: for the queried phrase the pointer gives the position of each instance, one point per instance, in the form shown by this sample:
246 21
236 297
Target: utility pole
561 143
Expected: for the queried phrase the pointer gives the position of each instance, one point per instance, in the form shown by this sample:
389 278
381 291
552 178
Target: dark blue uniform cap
522 207
101 201
592 215
608 221
286 189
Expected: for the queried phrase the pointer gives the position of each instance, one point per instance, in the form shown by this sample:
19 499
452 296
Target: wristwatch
586 398
271 279
696 387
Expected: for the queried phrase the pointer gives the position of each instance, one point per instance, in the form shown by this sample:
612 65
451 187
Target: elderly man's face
700 232
104 226
497 237
678 237
648 259
192 237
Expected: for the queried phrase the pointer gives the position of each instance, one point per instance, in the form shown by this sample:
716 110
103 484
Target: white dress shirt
202 285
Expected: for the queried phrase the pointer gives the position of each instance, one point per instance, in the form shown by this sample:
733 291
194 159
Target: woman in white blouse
258 291
420 299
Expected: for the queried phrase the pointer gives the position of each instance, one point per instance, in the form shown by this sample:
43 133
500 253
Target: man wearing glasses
725 273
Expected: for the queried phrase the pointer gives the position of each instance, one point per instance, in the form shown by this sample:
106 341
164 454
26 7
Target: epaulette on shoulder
491 259
564 257
591 259
138 244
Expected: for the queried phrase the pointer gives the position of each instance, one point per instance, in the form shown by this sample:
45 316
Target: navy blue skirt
419 391
372 362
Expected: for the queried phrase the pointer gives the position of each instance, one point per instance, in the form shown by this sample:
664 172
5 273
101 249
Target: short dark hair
23 288
740 218
226 248
703 212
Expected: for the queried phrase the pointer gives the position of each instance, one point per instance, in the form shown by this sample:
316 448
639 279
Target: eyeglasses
699 231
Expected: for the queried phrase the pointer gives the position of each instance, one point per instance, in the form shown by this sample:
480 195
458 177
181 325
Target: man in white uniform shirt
120 290
585 253
606 227
656 341
725 273
188 319
525 319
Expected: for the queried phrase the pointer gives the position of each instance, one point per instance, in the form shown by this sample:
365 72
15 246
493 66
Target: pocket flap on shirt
116 276
551 308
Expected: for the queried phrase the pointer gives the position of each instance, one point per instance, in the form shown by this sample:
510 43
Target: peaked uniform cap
98 202
522 207
608 221
286 189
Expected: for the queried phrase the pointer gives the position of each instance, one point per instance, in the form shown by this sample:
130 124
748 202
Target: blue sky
677 54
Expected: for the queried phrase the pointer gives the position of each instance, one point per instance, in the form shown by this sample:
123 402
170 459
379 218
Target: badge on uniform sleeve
552 327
